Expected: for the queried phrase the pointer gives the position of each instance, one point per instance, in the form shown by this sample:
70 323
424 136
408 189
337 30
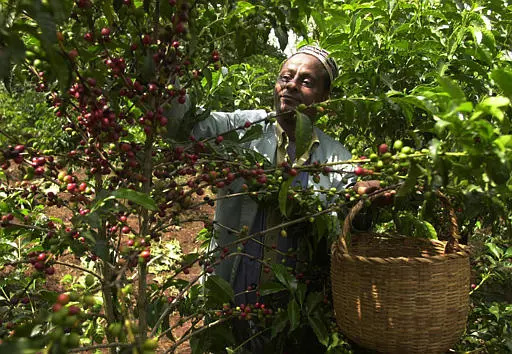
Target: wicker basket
396 294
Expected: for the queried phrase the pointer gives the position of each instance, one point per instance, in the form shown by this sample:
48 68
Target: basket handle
453 241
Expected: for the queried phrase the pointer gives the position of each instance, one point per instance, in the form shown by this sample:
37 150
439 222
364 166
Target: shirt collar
282 144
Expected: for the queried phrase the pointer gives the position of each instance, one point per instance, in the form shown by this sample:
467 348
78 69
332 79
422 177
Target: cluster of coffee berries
13 153
42 262
67 317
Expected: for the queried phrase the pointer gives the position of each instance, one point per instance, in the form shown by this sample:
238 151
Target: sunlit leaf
140 198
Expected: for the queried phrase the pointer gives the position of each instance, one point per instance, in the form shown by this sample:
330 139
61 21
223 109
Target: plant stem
106 270
187 337
79 268
142 301
112 345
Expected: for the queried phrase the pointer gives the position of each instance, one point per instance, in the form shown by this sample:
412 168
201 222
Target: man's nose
292 84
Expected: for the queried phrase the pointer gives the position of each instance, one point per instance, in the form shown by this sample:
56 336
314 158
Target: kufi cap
323 56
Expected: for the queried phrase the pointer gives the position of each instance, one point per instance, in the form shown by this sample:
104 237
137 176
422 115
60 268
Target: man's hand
366 187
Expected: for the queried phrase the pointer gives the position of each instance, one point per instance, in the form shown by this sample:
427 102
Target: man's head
305 77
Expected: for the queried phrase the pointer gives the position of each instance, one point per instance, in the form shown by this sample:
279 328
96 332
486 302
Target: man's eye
306 83
285 78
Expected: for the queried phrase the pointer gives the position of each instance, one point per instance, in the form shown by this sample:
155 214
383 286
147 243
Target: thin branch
202 329
79 268
100 346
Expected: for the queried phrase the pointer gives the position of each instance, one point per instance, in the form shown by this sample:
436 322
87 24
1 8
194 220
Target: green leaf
254 132
148 67
428 230
504 142
301 293
320 329
496 251
279 323
219 290
62 67
313 300
244 7
293 315
503 78
303 134
412 179
101 250
283 275
282 37
48 27
16 47
497 101
108 11
61 10
497 171
283 195
270 288
452 89
140 198
508 253
495 310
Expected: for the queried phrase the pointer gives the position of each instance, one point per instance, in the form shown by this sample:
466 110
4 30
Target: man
305 78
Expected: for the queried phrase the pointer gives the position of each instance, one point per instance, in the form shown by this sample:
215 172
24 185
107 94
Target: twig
100 346
187 337
79 268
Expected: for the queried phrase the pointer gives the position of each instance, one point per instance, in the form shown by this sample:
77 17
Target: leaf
282 37
61 66
16 48
148 67
283 275
504 142
269 288
320 329
101 250
61 10
206 82
503 78
108 11
508 253
497 101
244 7
497 171
496 251
414 172
283 195
303 134
452 89
137 197
219 290
313 300
254 132
495 310
48 27
428 230
293 315
279 323
301 293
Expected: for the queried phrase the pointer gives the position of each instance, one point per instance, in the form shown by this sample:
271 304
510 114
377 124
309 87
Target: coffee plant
99 164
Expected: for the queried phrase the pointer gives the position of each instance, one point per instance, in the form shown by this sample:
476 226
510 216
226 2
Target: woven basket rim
464 252
425 259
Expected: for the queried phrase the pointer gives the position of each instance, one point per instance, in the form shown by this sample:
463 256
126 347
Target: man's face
301 80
